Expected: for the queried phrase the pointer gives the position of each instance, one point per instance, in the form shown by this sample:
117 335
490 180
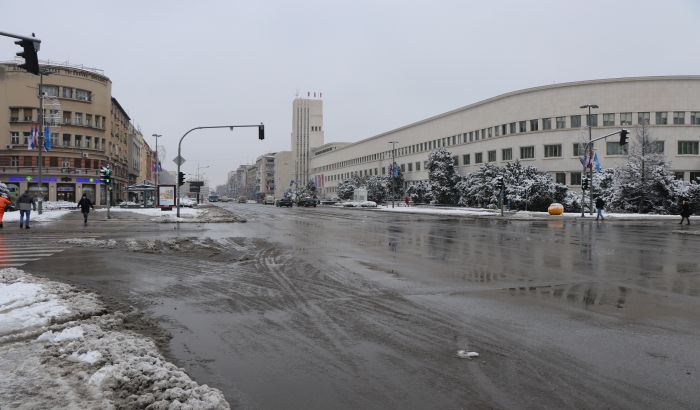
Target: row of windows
67 92
67 140
29 161
575 177
18 114
528 152
572 121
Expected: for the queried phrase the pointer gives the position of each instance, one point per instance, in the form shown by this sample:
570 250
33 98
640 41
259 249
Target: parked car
368 204
242 200
188 202
286 201
307 201
269 200
329 201
224 199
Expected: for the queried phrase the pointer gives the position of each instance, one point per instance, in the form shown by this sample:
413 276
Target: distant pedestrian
4 204
685 212
26 203
599 205
407 200
85 204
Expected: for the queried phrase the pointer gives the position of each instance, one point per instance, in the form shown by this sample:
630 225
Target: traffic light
261 132
500 183
584 183
106 176
31 60
623 137
181 179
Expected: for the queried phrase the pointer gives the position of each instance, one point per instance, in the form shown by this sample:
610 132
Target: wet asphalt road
337 308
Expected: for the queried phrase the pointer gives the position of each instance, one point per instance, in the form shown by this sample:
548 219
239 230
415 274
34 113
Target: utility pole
392 170
589 119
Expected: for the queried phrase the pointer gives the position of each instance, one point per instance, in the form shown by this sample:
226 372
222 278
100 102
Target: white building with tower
307 133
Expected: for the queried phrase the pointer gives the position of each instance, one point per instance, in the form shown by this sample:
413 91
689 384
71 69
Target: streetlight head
589 106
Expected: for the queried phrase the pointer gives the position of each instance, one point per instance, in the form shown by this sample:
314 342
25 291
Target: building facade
87 128
284 172
307 133
265 178
541 126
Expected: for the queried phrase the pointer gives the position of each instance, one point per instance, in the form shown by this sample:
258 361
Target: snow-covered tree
346 189
420 193
645 183
525 187
442 176
377 189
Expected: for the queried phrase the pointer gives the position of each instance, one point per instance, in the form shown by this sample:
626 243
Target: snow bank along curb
60 349
519 215
204 214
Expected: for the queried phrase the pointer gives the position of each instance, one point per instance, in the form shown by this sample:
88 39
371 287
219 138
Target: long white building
541 126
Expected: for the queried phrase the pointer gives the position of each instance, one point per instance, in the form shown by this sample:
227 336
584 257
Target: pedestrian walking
85 204
407 200
4 204
26 203
599 205
685 212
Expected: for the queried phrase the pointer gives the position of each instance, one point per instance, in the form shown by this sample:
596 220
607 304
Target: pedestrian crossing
18 250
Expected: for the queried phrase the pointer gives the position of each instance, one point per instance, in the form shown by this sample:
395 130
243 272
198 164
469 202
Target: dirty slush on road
273 327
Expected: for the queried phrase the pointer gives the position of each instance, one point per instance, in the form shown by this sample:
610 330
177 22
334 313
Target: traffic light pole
261 135
589 148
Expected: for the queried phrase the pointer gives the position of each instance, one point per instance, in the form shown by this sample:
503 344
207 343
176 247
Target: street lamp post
590 159
156 136
391 171
261 135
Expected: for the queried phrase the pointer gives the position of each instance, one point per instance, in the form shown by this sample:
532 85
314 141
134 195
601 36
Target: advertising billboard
166 196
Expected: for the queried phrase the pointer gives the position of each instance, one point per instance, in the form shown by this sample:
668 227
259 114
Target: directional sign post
179 160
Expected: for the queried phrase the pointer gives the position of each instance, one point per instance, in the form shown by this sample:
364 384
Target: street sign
179 160
196 183
194 188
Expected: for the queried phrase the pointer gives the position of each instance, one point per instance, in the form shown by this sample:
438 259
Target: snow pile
440 211
83 359
90 242
53 205
27 304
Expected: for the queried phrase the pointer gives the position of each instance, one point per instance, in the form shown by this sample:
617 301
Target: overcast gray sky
380 64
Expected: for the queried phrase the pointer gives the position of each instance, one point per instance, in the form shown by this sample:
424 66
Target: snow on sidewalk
46 215
455 211
157 215
59 350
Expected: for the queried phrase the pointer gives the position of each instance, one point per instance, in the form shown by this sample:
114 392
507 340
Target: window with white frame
561 122
695 118
14 137
552 150
614 148
492 155
688 147
643 118
546 123
662 118
625 118
527 152
506 154
679 117
575 178
522 126
560 178
608 120
575 121
478 158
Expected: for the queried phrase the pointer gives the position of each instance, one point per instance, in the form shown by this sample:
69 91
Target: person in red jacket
4 203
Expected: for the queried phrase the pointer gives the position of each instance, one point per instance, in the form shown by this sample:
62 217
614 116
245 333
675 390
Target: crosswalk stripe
18 259
30 250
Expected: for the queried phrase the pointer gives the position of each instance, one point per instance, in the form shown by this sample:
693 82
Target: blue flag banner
47 139
596 162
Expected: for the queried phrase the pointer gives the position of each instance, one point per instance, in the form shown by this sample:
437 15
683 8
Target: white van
269 200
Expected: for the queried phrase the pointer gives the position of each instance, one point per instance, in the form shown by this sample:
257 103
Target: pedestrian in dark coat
599 205
26 204
685 212
85 204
